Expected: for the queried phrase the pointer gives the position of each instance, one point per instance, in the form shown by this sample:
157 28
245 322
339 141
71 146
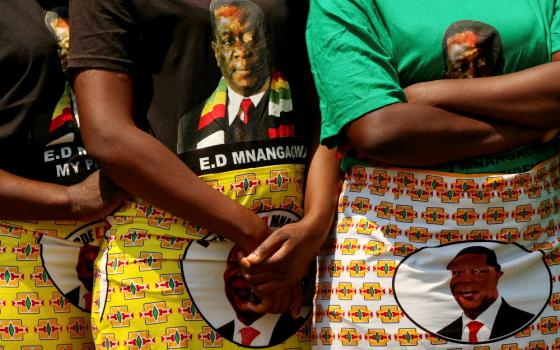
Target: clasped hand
275 269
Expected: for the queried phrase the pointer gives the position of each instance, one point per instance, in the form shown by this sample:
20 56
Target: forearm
284 257
21 199
324 176
530 97
417 135
143 166
322 189
158 176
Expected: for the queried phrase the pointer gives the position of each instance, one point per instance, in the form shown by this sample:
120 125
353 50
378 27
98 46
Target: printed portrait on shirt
222 296
472 49
474 292
57 152
252 100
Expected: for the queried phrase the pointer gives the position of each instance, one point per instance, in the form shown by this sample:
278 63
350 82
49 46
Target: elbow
373 133
103 145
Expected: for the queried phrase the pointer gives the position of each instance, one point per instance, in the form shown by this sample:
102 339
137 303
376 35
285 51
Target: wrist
321 215
59 202
72 203
415 93
426 93
253 233
317 226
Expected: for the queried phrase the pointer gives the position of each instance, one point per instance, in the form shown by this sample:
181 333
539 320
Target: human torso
181 99
414 35
39 135
416 31
168 51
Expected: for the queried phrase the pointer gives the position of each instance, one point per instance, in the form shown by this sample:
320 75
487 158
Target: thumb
266 248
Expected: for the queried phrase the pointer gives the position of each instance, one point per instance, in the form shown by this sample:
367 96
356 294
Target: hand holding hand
275 268
289 298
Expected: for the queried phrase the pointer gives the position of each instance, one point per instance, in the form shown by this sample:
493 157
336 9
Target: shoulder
452 330
508 311
285 327
191 118
509 319
227 329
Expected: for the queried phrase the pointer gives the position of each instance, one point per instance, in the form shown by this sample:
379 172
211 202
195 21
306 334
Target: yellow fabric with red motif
141 298
45 273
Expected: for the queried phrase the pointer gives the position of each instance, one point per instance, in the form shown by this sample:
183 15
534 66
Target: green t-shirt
363 53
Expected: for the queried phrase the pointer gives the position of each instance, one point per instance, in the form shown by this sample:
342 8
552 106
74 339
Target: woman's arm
275 269
140 164
530 97
417 135
282 260
91 199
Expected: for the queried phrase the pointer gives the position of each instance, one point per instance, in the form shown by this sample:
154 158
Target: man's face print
474 284
237 290
221 296
461 280
463 57
57 23
472 49
84 267
240 48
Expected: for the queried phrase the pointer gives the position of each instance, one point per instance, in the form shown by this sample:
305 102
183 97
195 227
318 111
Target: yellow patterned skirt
46 278
165 283
417 255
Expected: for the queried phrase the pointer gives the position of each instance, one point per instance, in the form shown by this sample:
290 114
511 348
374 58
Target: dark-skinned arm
143 166
274 269
529 97
279 264
417 135
91 199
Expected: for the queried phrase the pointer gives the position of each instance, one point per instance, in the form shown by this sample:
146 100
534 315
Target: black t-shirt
39 136
166 46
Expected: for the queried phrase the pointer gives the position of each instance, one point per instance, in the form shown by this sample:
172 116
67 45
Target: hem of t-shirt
97 62
330 131
541 154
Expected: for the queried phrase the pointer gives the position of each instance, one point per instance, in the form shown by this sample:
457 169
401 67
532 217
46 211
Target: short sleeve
555 27
102 35
350 54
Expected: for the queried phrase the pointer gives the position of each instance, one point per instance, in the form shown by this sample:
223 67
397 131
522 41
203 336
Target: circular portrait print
475 292
218 290
69 263
472 49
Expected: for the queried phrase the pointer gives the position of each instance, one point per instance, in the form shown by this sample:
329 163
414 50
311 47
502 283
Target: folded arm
530 97
143 166
417 135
